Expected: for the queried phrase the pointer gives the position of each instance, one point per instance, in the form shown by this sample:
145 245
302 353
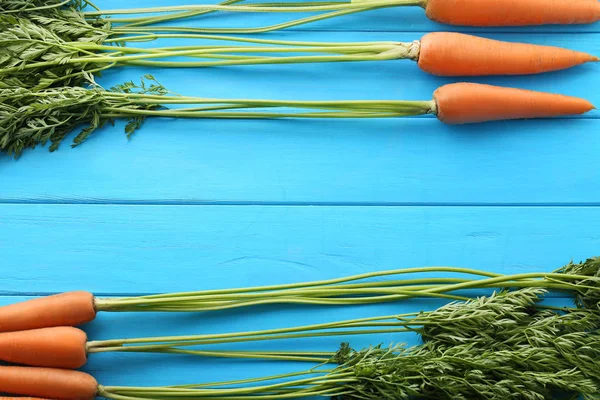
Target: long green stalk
43 44
496 347
348 291
327 9
306 6
96 345
459 313
49 58
334 281
94 107
139 27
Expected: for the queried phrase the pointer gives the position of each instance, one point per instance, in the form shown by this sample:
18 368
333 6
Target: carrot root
457 54
65 309
22 398
513 12
58 347
462 103
51 383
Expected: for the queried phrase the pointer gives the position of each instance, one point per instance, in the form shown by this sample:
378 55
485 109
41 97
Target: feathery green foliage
31 117
25 42
587 290
463 372
476 320
536 355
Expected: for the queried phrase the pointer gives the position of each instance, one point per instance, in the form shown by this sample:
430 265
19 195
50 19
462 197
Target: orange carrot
460 103
65 309
21 398
59 347
456 54
513 12
53 383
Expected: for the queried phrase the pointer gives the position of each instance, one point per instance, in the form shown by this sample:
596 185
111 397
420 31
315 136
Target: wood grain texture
342 162
148 249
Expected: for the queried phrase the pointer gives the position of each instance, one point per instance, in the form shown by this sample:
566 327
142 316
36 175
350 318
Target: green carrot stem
404 321
198 13
224 305
503 279
199 51
320 292
181 15
263 61
154 347
407 284
256 7
270 28
374 47
327 325
440 289
120 112
103 304
331 104
211 306
254 380
132 50
292 395
154 36
329 293
310 293
348 53
158 391
240 355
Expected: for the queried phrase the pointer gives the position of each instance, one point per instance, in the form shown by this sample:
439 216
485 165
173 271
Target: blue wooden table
191 205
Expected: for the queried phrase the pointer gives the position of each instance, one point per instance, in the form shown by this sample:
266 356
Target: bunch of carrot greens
503 332
497 347
51 49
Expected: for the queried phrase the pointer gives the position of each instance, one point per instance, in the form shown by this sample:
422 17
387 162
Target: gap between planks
251 203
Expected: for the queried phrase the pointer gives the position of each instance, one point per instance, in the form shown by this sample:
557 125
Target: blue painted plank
398 19
393 161
347 162
142 249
